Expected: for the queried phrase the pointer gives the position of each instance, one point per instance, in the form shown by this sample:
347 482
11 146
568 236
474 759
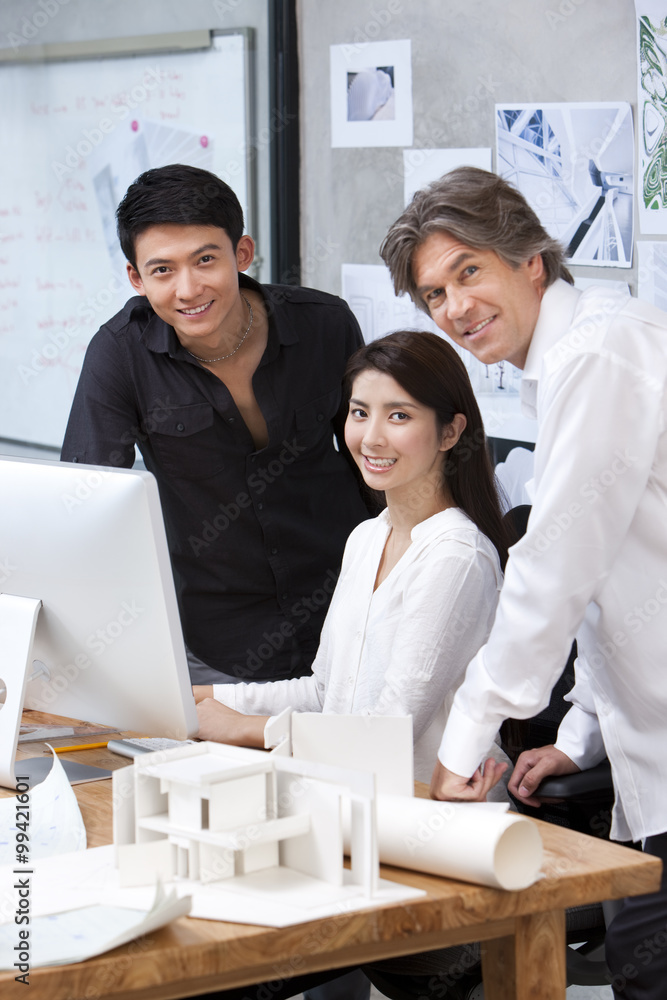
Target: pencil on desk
83 746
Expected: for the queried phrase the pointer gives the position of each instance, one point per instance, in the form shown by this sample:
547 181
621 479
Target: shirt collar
432 525
161 338
555 318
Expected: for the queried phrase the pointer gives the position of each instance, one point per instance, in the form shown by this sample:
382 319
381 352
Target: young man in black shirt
232 392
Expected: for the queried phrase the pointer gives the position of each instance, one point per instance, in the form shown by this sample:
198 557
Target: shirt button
231 420
180 427
283 597
320 417
274 551
260 506
357 635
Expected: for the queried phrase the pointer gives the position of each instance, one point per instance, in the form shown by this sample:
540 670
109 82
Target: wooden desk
524 932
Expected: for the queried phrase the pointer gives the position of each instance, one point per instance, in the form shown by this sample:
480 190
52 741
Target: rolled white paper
468 841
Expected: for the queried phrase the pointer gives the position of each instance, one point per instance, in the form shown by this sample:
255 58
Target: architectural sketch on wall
368 290
574 164
652 110
371 94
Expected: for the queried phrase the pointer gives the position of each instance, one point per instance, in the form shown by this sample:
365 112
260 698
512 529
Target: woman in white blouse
418 586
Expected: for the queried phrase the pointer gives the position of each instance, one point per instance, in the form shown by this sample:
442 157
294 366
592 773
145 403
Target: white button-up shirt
403 648
593 562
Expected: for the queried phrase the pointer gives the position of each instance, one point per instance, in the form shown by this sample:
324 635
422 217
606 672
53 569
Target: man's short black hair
177 195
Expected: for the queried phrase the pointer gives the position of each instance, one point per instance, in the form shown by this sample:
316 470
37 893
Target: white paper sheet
74 881
652 272
54 824
371 94
422 166
76 935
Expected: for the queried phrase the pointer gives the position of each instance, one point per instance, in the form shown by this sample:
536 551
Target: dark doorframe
285 151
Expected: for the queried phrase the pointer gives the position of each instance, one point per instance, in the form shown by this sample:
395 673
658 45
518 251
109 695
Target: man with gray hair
593 563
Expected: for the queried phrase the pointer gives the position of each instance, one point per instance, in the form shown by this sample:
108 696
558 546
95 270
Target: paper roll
468 841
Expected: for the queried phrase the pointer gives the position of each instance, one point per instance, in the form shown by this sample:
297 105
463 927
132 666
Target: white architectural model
247 821
261 838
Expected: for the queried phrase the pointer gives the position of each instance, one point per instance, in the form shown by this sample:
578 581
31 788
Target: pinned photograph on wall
371 94
652 109
423 166
574 163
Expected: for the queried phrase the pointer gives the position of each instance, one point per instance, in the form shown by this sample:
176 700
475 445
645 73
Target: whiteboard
74 136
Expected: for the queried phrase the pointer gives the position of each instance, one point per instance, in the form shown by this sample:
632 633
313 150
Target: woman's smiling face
395 441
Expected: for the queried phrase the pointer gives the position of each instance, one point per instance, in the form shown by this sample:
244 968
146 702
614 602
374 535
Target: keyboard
135 746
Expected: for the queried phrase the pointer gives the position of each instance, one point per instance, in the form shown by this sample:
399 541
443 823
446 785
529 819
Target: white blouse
403 648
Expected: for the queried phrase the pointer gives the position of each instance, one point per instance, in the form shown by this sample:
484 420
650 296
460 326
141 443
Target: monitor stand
33 770
18 621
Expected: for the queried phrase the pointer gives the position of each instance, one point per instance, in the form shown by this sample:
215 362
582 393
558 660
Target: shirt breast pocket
186 442
313 420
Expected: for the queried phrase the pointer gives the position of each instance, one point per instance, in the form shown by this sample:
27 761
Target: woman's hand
223 725
201 691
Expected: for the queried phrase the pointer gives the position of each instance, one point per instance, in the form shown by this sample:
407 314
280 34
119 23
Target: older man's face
479 301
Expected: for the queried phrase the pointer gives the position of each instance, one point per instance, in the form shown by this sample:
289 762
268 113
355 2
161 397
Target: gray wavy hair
481 210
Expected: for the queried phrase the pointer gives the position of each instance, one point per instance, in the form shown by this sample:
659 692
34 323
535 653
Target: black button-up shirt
256 537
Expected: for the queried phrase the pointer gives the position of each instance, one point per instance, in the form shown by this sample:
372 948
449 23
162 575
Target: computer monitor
83 553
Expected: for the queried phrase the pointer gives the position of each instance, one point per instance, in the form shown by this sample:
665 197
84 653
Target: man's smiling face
477 299
190 275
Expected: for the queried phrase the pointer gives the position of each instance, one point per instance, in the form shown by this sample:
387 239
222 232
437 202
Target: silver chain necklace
210 361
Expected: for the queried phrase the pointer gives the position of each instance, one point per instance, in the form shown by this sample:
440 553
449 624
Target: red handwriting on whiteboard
43 200
65 323
74 205
49 286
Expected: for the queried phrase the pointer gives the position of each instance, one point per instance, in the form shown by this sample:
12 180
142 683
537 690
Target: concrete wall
466 56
